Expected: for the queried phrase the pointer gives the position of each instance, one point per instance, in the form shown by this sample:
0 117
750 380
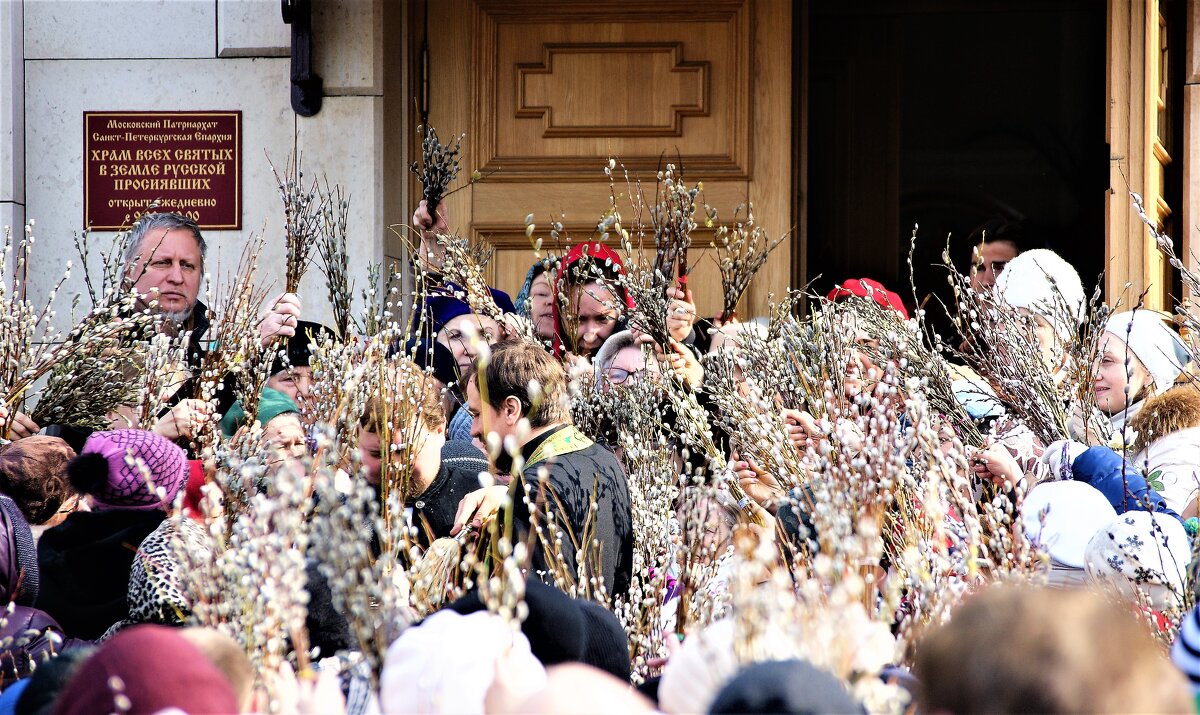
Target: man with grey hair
164 262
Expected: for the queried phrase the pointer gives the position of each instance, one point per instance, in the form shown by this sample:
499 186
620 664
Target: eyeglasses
617 375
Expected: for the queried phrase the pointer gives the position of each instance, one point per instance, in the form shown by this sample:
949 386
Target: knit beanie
1143 550
1153 342
441 308
433 357
555 625
606 645
157 669
298 350
784 686
110 469
271 404
561 629
1041 282
869 288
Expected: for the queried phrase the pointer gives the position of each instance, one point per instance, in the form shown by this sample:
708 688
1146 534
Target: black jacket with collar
565 484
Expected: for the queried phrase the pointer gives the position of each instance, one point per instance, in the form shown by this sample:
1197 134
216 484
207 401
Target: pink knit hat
110 469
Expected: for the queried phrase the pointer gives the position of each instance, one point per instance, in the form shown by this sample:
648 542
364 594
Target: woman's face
541 308
425 453
862 374
597 314
1049 345
1119 377
628 364
293 382
283 437
459 333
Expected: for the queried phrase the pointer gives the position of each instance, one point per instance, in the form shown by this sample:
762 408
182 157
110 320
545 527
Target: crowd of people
591 499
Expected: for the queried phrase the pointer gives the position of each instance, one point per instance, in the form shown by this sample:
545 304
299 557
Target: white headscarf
1041 282
1156 346
447 664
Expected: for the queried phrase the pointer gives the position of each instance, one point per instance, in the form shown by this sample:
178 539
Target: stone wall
64 57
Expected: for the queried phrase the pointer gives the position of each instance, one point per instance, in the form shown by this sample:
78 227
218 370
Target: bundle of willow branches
85 366
438 168
234 347
742 249
335 259
303 218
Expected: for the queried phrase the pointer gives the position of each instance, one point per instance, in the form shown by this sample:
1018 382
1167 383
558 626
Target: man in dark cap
291 372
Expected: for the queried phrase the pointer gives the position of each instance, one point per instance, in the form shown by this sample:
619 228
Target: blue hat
441 308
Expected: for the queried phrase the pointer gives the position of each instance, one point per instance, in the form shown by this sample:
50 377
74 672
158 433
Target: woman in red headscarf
590 300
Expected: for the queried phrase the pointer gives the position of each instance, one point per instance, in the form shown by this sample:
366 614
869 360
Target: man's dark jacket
564 482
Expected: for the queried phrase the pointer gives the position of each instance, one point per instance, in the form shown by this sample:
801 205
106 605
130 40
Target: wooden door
548 91
1145 48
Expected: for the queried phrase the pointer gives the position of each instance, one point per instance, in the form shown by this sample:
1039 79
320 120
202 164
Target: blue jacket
1126 490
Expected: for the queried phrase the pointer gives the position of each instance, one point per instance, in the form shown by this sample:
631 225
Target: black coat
434 511
565 483
84 564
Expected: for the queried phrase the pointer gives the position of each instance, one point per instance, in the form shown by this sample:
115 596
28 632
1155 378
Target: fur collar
1176 409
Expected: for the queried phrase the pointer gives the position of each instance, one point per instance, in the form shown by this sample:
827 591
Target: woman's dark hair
33 473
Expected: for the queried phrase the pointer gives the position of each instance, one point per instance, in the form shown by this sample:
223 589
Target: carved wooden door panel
548 91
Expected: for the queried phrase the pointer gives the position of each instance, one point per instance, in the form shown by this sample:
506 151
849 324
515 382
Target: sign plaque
188 163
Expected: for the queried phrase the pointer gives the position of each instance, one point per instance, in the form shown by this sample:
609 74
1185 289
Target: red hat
158 669
604 261
869 288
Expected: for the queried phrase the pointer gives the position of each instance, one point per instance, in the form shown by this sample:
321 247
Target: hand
766 530
682 314
280 318
479 507
850 435
997 465
1060 455
426 224
184 419
684 363
673 644
760 486
802 429
514 325
16 425
319 693
431 254
578 366
680 359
